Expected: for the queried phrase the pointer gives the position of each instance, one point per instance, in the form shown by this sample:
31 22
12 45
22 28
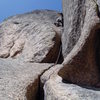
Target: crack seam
97 8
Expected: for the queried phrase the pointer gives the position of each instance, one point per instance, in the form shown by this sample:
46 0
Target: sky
13 7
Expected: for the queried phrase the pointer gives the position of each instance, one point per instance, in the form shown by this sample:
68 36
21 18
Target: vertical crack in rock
35 90
52 55
60 58
57 53
32 90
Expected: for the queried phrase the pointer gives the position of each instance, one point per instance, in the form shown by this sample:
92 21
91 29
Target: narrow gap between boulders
40 94
37 86
35 90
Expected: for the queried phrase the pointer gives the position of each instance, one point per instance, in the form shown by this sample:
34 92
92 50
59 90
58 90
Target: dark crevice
40 94
38 97
83 86
90 87
97 49
66 81
55 55
98 12
35 90
32 90
16 22
60 57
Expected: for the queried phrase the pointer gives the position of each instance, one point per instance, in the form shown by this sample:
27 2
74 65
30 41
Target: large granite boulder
78 77
81 66
31 37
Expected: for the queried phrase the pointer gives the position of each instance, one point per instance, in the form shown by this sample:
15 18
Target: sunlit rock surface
31 37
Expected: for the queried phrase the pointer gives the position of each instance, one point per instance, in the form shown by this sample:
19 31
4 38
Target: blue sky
13 7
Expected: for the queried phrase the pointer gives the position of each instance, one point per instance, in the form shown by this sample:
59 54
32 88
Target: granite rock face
77 76
31 37
81 66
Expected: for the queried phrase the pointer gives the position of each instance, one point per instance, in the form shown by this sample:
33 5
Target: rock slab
31 37
20 81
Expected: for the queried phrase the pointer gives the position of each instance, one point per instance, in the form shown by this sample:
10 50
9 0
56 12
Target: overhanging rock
81 66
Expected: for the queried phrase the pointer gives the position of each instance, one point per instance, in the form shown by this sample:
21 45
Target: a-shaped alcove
84 66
